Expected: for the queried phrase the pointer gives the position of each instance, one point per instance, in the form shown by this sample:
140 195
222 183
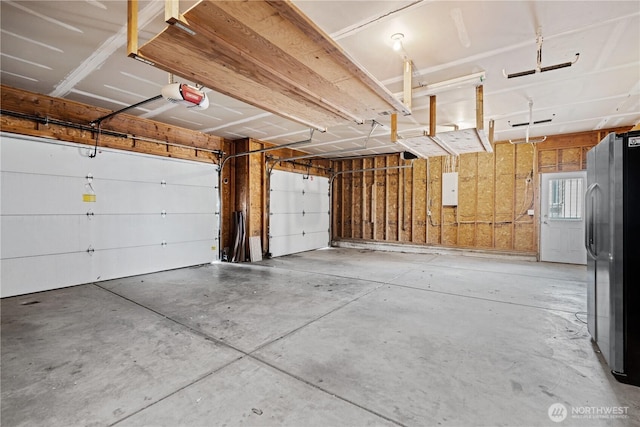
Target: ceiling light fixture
397 41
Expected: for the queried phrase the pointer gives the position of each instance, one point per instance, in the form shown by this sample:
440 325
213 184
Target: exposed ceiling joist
269 55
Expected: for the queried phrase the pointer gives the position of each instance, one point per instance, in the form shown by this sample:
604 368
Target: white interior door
298 213
562 217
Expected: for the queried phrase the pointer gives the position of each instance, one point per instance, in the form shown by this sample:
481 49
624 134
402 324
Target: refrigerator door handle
590 216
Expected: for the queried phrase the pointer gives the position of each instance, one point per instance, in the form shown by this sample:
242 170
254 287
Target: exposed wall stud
394 127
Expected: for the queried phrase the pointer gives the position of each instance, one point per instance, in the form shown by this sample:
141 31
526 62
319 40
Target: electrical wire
374 125
526 206
581 313
95 147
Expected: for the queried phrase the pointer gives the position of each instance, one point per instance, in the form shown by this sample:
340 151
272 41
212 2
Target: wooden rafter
270 55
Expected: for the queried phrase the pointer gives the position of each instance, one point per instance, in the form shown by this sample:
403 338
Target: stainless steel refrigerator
612 239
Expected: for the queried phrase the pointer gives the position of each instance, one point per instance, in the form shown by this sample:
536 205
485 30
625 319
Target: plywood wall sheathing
336 202
485 208
435 200
419 194
256 191
392 199
380 209
369 199
467 200
504 191
568 152
356 197
347 201
496 190
524 198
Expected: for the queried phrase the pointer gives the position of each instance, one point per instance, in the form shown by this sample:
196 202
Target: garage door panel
41 159
286 224
182 254
188 227
297 207
316 239
315 203
36 235
284 202
289 181
46 230
280 245
317 185
111 264
150 169
316 222
113 231
125 197
41 273
41 194
189 198
284 245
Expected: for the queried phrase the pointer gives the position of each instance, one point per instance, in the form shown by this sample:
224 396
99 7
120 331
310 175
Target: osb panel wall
495 193
405 205
568 152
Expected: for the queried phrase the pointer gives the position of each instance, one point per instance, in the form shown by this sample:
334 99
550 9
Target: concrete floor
337 337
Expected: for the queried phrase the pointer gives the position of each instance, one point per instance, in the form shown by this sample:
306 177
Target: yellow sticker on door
88 197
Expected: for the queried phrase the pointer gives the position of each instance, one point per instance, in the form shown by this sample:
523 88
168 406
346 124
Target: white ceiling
77 50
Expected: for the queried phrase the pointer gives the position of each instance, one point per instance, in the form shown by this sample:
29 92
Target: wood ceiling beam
432 115
269 55
132 28
394 127
480 107
211 69
247 49
171 10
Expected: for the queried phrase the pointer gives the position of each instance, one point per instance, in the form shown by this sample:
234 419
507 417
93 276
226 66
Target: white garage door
298 213
68 219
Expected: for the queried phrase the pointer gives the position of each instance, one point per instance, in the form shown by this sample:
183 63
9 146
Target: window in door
565 198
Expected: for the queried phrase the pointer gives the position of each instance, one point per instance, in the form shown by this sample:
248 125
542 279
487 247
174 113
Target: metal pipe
307 165
366 156
367 170
46 120
307 156
122 110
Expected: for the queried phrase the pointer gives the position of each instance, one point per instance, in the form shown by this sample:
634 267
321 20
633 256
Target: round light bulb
397 41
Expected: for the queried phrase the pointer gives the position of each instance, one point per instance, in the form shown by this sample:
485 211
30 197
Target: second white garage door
298 213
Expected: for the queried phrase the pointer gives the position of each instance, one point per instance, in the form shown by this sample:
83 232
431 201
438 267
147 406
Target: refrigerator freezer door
617 256
598 242
590 204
